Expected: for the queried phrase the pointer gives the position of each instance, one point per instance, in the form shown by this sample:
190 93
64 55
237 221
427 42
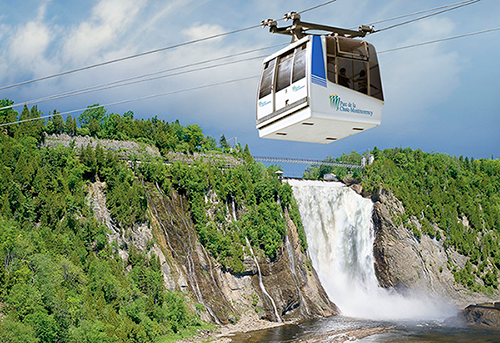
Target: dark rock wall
411 264
486 315
296 290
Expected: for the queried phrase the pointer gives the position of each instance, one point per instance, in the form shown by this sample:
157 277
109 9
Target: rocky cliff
408 263
280 289
486 315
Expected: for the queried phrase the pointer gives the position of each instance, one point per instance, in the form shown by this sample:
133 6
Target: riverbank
338 329
341 336
224 334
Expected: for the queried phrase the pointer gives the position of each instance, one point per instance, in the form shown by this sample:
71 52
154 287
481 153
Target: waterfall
292 266
189 247
340 237
261 284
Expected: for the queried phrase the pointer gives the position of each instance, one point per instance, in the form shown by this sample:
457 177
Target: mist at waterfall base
340 237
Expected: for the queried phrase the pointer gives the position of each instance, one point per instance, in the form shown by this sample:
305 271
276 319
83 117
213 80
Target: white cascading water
261 284
340 237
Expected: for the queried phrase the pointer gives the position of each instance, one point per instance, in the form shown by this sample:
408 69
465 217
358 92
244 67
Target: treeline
97 122
61 280
251 189
317 171
454 199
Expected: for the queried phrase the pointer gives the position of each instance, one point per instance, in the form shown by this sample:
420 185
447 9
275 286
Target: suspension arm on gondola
299 28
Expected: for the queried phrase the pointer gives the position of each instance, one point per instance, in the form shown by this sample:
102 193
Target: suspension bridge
309 161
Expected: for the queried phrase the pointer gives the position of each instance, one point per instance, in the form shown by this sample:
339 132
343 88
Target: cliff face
407 263
284 289
486 315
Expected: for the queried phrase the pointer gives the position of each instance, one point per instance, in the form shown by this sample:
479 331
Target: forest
454 199
62 280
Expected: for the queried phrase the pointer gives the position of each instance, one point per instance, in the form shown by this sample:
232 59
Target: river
340 237
402 331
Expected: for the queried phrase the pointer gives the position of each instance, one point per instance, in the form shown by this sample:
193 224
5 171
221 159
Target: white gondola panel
313 108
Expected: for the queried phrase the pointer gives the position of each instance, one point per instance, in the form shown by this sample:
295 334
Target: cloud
415 80
201 31
109 22
42 10
421 77
29 43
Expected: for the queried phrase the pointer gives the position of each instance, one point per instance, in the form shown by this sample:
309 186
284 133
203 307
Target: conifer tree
92 112
22 173
37 125
8 116
70 125
93 127
224 144
23 127
58 123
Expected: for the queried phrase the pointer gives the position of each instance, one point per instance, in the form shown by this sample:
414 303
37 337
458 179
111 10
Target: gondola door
265 105
291 82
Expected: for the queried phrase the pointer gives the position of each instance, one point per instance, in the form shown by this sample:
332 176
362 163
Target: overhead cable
427 16
129 57
438 40
144 77
419 12
318 6
235 80
132 100
121 59
95 89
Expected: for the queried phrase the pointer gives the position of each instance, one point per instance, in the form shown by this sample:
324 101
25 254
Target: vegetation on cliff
454 199
61 280
252 189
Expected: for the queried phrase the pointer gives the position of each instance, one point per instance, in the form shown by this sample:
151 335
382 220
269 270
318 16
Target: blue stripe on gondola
318 81
318 74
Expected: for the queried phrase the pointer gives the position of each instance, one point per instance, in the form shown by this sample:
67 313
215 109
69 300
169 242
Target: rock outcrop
408 263
486 315
124 149
294 291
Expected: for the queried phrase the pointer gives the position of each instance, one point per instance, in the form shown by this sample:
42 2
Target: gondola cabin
319 89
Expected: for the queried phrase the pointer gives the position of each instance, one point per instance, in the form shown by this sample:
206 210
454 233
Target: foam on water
340 240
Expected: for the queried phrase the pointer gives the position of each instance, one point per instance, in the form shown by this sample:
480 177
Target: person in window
330 67
343 79
362 82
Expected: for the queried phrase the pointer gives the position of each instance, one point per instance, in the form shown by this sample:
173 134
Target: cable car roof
321 87
298 29
288 47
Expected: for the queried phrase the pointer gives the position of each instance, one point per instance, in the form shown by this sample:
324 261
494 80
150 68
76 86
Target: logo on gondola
297 88
264 103
335 101
337 104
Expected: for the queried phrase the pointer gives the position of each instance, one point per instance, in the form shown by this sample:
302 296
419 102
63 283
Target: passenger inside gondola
362 82
343 79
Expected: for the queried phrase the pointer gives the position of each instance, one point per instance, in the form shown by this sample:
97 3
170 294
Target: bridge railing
306 161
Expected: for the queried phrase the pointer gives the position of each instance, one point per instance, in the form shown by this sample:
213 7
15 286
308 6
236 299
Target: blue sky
441 97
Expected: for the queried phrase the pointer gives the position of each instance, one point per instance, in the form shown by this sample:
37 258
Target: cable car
320 88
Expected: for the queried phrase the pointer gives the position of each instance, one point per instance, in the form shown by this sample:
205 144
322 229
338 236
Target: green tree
224 145
8 116
58 122
45 326
193 135
70 125
94 127
12 331
92 112
23 171
35 126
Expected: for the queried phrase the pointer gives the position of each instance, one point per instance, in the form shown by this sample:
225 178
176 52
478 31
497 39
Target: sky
438 98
